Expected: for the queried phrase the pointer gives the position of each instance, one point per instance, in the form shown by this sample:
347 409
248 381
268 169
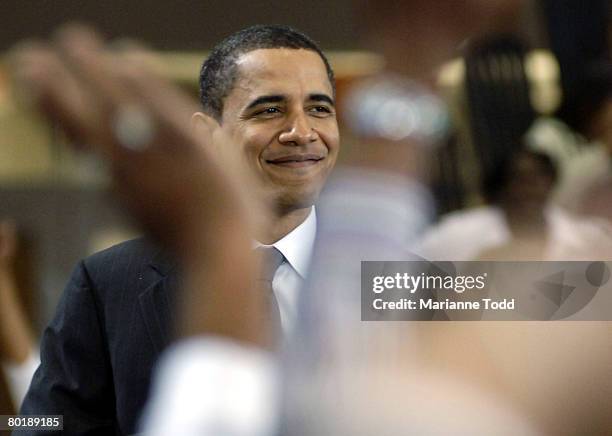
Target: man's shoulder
137 257
139 248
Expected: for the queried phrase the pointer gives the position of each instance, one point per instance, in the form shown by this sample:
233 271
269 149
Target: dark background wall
179 24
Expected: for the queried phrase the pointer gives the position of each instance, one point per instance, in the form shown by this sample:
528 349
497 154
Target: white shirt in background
19 376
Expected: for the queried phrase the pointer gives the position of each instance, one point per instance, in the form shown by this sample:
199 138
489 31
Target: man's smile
295 160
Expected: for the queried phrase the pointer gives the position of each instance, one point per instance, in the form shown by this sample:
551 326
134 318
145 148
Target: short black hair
219 71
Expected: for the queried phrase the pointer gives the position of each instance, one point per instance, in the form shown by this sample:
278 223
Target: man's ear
204 126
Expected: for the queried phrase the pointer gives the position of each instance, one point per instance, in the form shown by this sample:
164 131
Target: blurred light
544 76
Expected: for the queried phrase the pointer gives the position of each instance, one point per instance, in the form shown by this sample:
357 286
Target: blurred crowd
238 362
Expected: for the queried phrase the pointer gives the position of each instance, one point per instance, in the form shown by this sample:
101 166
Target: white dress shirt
289 277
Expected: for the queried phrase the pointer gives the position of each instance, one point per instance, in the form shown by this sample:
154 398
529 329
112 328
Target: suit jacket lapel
157 301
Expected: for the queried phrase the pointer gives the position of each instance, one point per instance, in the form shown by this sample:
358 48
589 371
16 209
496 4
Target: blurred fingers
45 82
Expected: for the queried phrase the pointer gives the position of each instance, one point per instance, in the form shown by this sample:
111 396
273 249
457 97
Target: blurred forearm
16 339
219 268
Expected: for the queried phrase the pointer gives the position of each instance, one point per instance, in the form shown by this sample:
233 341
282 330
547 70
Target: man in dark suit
97 354
268 103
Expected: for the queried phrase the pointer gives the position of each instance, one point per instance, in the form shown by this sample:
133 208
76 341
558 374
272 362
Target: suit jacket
113 321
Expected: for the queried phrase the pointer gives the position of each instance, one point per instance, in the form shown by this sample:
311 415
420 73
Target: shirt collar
297 245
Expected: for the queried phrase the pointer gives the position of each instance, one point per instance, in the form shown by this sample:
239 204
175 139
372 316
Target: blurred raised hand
110 102
16 339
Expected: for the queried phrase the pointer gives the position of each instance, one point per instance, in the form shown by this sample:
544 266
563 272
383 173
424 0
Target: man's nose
299 131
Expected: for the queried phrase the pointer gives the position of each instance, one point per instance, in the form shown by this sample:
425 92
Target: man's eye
268 111
323 110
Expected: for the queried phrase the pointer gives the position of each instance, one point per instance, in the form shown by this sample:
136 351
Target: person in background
522 193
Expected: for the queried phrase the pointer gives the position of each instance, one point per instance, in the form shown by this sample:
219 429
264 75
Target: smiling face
281 115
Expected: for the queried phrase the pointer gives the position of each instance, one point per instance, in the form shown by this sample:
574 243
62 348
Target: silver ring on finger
133 127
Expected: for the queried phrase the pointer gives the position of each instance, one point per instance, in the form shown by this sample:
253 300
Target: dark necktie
271 259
